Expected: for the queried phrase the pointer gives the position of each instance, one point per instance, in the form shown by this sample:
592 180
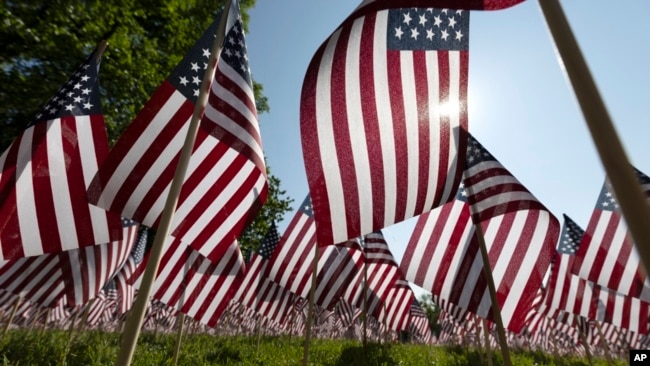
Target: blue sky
521 106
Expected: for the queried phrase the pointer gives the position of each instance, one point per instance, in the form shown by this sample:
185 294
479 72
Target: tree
432 311
146 40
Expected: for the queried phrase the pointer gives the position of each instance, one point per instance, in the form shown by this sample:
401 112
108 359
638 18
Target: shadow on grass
370 355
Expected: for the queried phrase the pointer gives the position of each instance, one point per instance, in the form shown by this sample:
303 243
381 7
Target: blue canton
138 251
234 51
428 29
269 243
188 75
570 237
462 193
306 207
476 153
79 96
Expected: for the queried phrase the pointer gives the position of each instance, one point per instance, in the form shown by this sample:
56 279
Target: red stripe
400 142
371 122
43 195
444 126
310 142
424 144
9 223
598 264
83 224
344 145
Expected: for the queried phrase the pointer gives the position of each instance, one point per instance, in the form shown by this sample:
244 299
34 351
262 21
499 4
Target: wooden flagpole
136 315
496 309
310 308
583 338
12 315
624 182
603 342
179 337
488 347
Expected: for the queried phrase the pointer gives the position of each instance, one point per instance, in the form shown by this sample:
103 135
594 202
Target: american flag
339 266
382 273
131 268
395 312
443 255
256 291
37 278
225 184
382 106
87 270
190 283
46 169
373 5
607 256
292 262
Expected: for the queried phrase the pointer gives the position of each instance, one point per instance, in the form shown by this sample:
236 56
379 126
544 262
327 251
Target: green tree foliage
432 311
43 41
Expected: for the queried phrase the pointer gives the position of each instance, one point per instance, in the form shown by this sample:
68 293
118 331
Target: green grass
22 347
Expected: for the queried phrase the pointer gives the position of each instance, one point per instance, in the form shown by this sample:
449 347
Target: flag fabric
395 313
373 5
382 106
131 268
46 169
87 270
256 291
607 256
570 293
226 183
339 267
520 235
38 278
190 283
291 264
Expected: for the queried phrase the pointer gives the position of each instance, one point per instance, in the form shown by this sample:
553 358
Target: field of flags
385 138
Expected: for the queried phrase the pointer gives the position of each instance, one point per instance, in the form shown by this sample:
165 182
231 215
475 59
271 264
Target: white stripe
356 129
453 140
139 147
459 254
327 142
384 116
88 157
25 200
594 247
412 131
433 91
616 259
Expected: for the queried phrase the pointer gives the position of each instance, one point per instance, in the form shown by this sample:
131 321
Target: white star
206 52
430 34
459 35
77 86
398 32
196 92
184 80
88 105
407 18
437 21
77 99
459 11
195 66
85 91
196 80
444 11
85 78
231 40
414 33
423 19
444 34
429 10
452 22
69 107
227 52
